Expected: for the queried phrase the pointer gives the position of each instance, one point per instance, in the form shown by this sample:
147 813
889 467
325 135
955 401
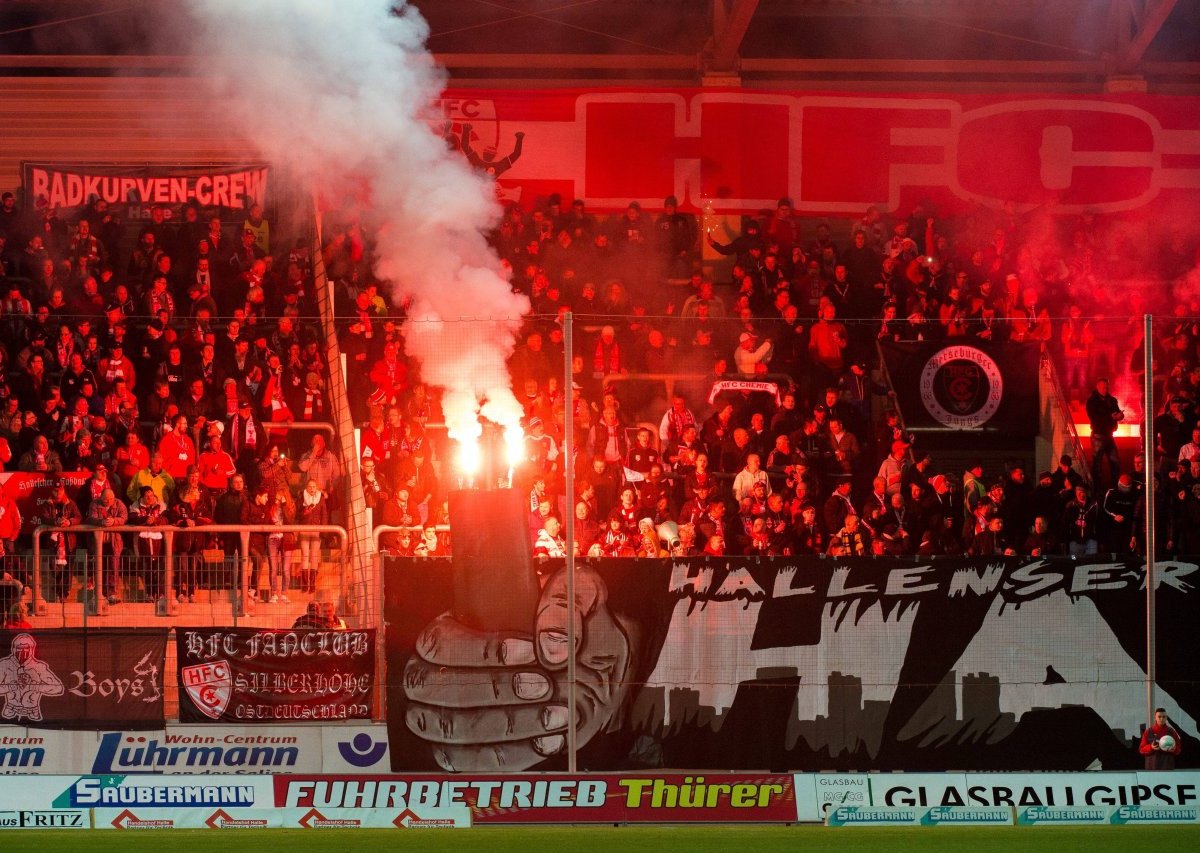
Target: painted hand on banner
491 701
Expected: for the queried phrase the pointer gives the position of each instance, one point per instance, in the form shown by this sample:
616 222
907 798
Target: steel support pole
569 471
1148 492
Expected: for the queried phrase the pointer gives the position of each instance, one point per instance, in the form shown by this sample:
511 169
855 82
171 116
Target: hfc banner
76 679
791 663
234 188
966 386
244 675
831 152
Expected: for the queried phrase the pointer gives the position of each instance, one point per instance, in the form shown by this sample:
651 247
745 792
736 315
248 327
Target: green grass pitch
643 839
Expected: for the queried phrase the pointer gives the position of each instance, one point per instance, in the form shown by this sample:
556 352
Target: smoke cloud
340 94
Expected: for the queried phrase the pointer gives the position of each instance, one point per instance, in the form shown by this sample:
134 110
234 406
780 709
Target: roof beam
1153 15
564 61
923 67
729 28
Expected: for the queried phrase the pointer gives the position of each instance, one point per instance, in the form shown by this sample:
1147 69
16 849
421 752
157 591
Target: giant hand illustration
489 701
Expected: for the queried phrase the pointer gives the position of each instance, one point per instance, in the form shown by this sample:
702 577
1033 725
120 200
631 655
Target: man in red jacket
1158 758
177 449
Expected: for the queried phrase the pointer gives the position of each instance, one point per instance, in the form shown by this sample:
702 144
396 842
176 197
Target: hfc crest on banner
210 686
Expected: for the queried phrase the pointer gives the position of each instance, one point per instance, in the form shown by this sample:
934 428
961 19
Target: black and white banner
784 663
966 386
76 679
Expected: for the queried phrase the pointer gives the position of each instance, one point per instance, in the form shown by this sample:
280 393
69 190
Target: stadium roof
1084 45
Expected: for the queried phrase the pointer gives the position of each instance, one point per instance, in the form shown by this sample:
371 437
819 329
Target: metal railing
1049 373
269 426
442 530
168 533
670 380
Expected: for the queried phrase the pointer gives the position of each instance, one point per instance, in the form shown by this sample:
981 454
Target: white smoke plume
340 92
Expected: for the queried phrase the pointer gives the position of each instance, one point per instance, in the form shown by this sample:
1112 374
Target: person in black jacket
1104 413
1118 513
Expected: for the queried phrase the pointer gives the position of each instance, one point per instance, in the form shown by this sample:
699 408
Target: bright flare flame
514 443
469 457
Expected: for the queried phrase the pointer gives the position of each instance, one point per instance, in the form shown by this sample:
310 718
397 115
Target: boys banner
75 679
244 675
786 663
971 385
68 186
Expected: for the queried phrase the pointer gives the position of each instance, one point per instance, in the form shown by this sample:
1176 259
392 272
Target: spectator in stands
750 356
608 357
1041 542
176 449
155 476
29 385
95 486
607 439
246 439
282 510
215 464
116 367
311 619
61 512
229 508
1079 521
376 489
312 509
1118 514
40 458
1104 413
261 510
10 525
333 622
992 540
389 375
107 511
749 477
321 466
549 541
850 540
14 619
417 473
191 508
131 458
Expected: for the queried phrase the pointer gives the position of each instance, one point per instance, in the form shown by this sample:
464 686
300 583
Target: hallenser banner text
243 675
76 679
76 185
792 664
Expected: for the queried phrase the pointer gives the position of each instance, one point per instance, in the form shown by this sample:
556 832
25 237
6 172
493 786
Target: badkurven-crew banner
72 185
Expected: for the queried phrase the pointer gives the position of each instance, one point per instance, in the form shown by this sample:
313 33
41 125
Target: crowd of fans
807 454
167 369
171 369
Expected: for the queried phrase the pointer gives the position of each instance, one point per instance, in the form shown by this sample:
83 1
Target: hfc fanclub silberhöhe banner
972 385
795 664
76 679
244 675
